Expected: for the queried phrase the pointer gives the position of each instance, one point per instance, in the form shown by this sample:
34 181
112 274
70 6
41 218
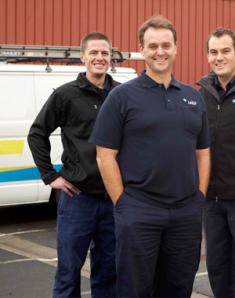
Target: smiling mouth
219 65
99 65
160 60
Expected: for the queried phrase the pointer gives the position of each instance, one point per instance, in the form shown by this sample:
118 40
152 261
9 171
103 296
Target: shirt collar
149 82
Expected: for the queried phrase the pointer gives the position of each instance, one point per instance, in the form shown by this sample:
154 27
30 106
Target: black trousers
158 249
219 224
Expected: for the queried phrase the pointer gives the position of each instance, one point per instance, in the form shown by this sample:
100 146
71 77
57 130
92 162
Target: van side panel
16 114
24 89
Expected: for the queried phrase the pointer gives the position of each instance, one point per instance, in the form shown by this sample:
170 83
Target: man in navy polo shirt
152 137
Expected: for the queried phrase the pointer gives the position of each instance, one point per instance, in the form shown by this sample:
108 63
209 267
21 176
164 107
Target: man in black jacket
218 90
85 213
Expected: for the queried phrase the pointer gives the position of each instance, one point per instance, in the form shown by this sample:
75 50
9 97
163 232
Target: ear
141 48
82 57
208 57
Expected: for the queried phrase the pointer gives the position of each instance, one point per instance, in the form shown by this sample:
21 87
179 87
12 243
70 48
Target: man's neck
98 80
225 80
164 78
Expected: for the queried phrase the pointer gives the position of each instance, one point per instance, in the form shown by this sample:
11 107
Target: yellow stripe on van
11 146
13 169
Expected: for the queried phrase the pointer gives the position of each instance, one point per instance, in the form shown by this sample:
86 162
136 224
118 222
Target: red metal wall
63 22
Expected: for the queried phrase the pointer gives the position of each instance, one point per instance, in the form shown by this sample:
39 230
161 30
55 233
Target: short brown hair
219 32
156 22
94 36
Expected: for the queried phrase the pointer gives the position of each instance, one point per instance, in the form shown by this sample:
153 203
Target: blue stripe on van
23 174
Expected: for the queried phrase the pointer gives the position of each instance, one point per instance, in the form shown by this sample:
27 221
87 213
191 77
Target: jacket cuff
47 180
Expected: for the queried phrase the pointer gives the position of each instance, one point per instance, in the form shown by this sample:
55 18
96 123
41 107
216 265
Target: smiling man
218 89
85 214
153 139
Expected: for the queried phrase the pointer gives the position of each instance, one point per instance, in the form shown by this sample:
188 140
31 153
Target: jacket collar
83 82
208 82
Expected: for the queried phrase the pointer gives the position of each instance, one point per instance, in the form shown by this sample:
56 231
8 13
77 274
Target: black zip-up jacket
73 107
221 114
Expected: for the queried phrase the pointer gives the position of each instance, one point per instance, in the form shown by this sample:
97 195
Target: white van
24 88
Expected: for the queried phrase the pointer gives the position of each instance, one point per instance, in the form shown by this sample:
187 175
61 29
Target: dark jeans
219 224
84 220
158 249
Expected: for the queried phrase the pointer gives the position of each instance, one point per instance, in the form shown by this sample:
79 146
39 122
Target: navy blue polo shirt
156 132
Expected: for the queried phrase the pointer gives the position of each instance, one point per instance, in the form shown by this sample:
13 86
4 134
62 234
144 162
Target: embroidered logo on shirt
190 102
233 101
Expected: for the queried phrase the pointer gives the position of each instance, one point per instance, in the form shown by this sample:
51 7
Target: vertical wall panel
57 23
49 16
184 50
200 43
157 6
64 22
117 30
3 17
148 8
206 29
232 17
219 16
20 22
192 50
109 17
11 21
101 16
39 23
226 13
83 17
92 19
75 22
125 25
29 22
164 8
178 24
171 9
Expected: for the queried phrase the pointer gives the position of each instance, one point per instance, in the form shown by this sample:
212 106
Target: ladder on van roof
18 53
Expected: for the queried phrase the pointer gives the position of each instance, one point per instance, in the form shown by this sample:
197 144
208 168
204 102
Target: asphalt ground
28 255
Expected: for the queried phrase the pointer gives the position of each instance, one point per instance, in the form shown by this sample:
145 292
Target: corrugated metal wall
63 22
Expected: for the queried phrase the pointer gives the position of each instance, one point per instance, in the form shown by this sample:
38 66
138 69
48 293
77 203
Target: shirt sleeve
203 140
107 131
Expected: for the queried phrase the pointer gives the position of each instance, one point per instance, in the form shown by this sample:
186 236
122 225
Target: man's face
221 56
96 57
159 51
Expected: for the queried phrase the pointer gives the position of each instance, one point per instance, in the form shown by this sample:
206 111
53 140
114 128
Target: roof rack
18 53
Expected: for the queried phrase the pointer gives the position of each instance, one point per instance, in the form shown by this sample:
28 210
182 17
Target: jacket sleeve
45 123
